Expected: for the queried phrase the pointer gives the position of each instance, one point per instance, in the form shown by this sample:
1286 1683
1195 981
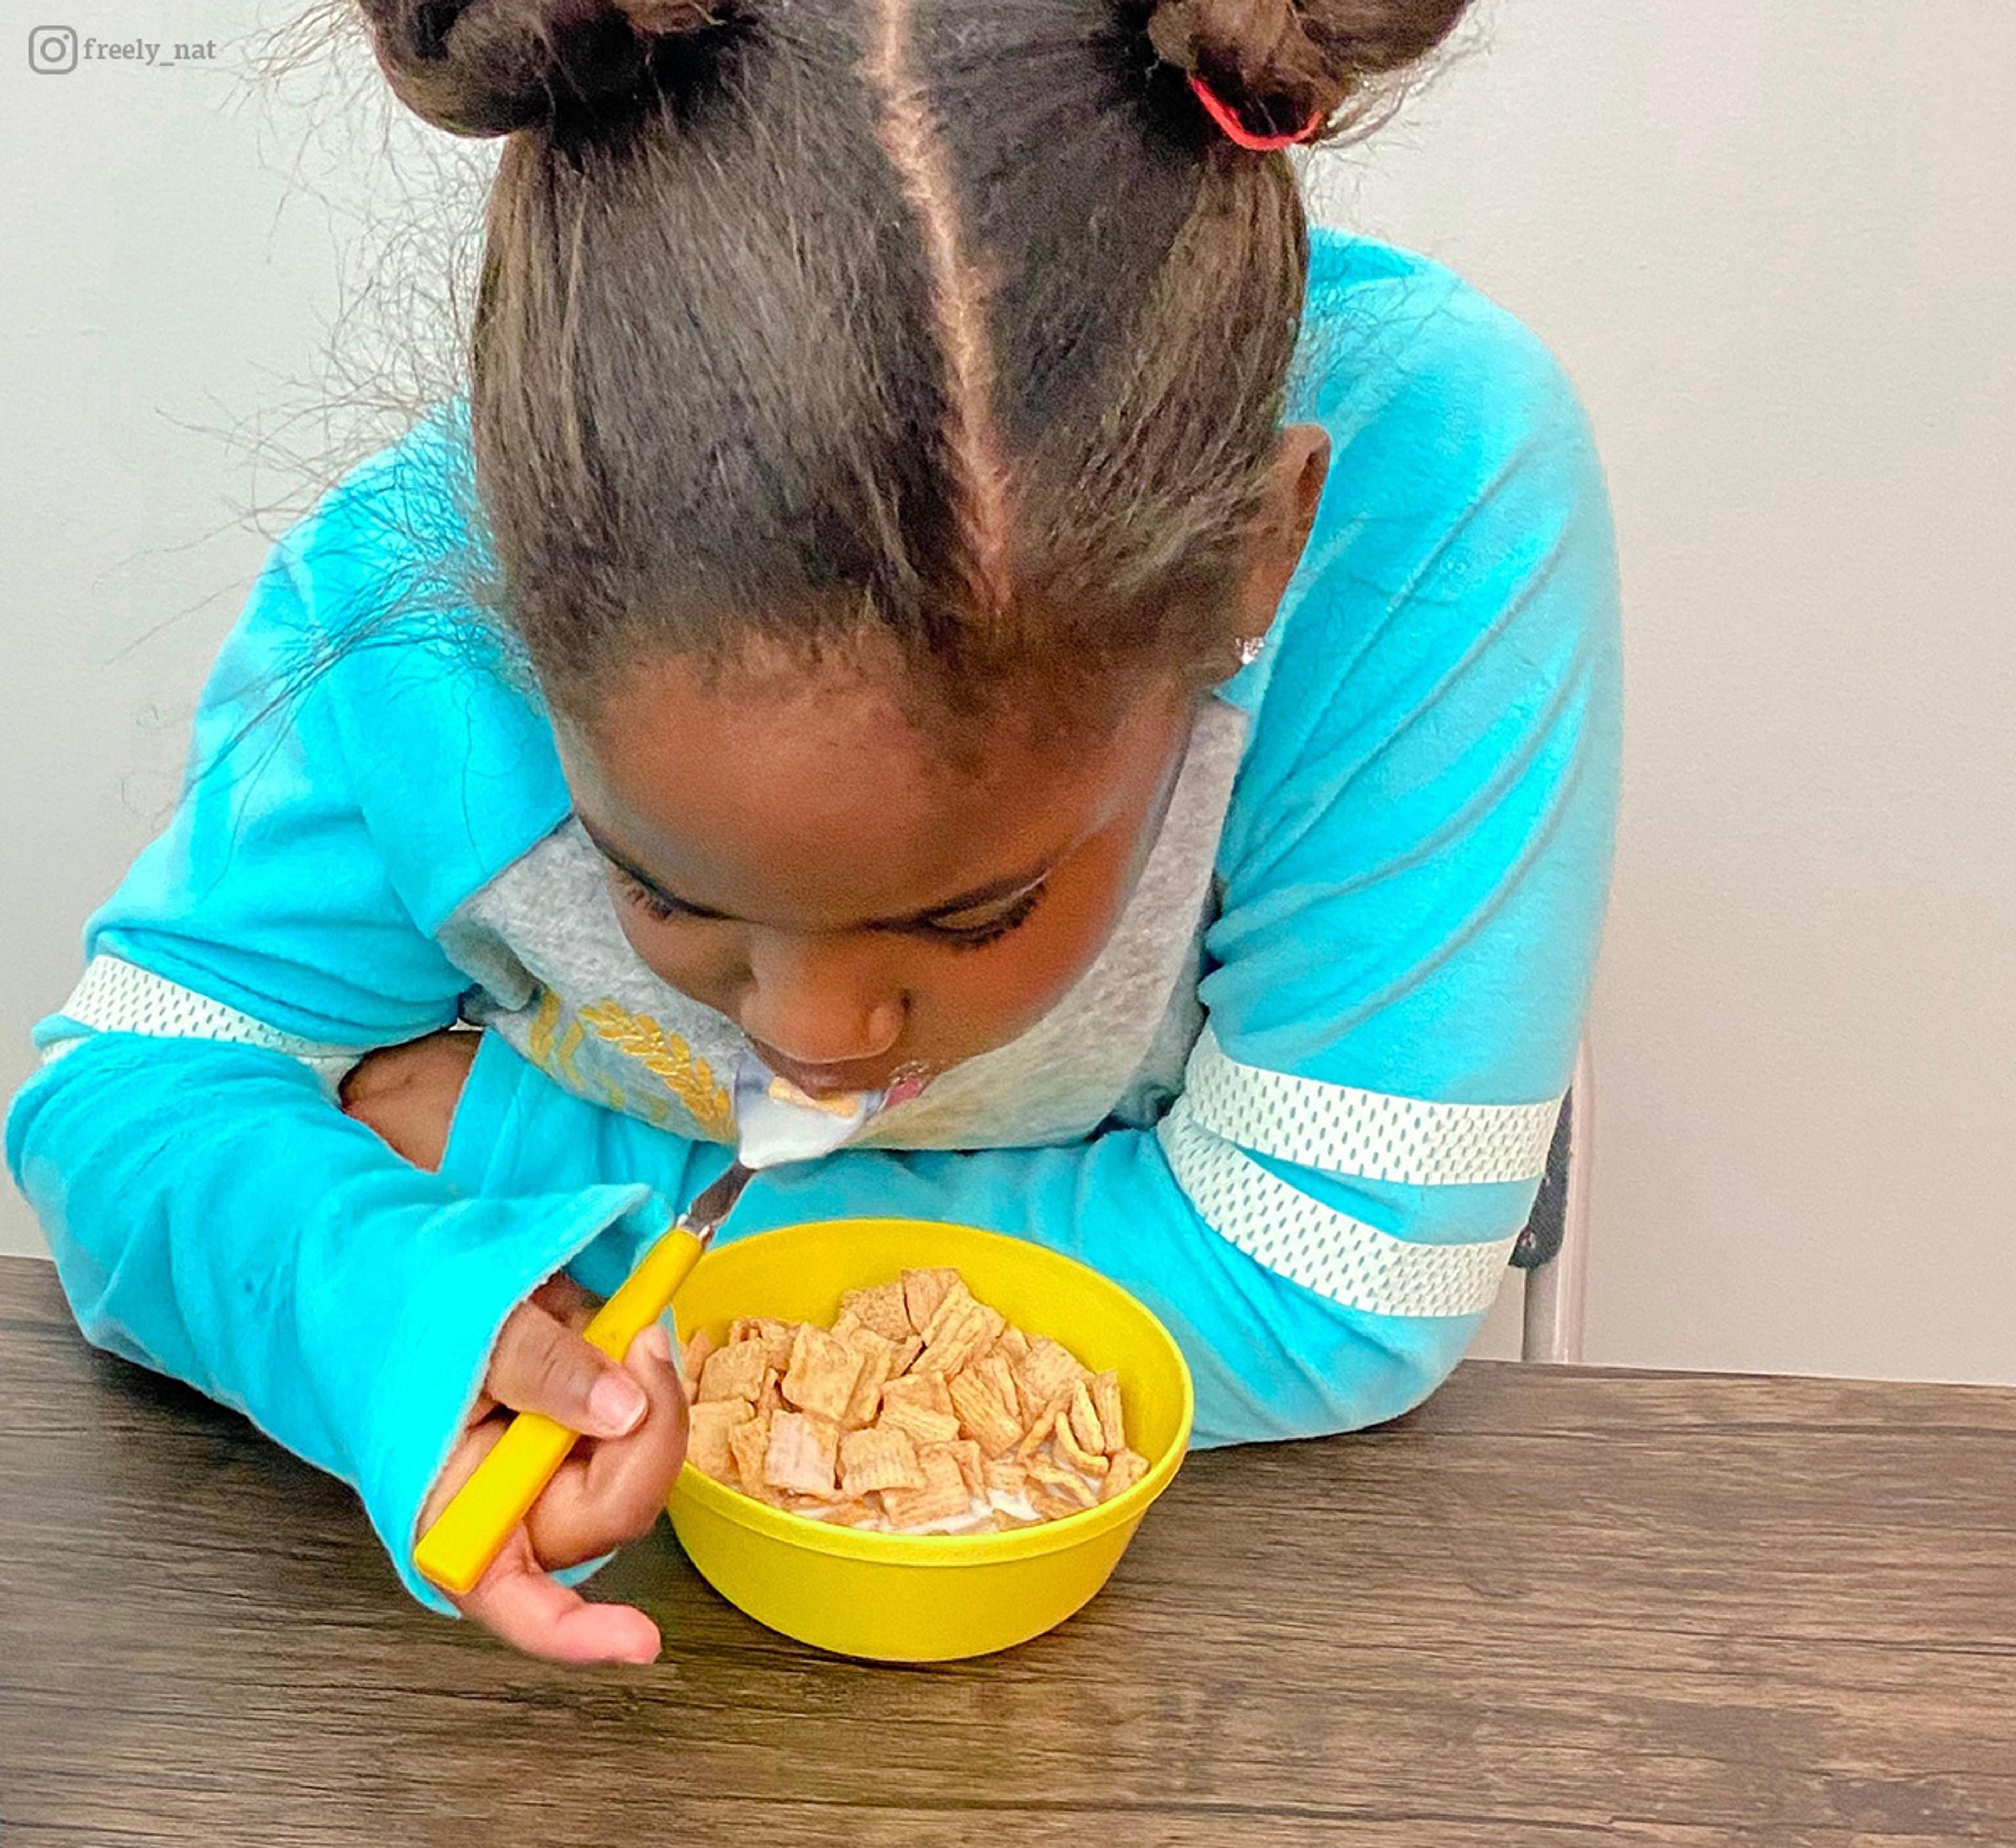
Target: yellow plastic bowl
927 1597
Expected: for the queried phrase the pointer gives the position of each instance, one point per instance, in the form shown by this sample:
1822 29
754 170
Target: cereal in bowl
921 1411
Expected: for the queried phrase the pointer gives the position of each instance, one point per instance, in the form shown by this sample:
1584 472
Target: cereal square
692 1357
709 1427
871 1460
922 1291
923 1424
1106 1401
801 1455
981 1414
776 1337
749 1445
943 1498
822 1374
881 1309
736 1371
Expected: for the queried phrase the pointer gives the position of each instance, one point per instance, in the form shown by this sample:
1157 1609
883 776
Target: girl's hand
609 1491
408 1093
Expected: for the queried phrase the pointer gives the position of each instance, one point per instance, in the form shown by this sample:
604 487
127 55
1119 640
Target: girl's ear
1294 488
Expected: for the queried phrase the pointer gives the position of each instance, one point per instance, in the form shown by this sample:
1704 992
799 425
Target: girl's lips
820 1081
902 1082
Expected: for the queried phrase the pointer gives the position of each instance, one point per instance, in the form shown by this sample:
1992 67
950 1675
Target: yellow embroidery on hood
670 1060
544 1025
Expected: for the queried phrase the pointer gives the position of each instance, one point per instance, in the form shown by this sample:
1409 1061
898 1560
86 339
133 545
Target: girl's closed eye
975 936
655 904
954 935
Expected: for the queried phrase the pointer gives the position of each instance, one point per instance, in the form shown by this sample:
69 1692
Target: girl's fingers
541 1365
475 1445
517 1601
613 1491
564 1299
531 1612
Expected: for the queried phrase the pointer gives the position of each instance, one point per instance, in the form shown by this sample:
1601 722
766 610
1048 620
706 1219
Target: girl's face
785 849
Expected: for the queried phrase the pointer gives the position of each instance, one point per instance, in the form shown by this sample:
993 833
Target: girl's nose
818 1004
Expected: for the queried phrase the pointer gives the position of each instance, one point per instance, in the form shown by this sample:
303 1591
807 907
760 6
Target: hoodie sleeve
212 1213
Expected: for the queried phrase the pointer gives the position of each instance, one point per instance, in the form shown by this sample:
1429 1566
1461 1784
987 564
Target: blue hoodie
1409 885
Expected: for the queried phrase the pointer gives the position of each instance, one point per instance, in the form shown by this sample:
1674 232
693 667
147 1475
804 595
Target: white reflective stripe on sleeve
117 996
1315 1245
1369 1134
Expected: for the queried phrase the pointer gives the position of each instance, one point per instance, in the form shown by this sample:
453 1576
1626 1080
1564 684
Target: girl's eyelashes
664 910
977 936
652 904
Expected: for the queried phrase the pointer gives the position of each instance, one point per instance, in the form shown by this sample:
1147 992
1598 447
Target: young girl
981 657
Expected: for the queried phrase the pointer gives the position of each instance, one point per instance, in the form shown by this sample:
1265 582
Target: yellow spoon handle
471 1532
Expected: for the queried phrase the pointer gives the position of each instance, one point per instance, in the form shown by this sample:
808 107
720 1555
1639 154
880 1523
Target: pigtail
1300 69
479 67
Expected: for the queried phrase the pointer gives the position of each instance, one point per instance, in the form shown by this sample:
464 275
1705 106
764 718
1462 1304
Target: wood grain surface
1552 1606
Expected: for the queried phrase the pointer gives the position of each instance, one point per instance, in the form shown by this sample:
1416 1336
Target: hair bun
1277 63
489 67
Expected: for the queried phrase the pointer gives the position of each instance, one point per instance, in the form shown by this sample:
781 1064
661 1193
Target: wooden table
1553 1606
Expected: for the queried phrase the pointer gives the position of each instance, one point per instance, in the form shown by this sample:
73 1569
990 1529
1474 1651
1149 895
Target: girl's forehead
814 801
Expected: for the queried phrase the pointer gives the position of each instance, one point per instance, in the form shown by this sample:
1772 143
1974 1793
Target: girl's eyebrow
1013 886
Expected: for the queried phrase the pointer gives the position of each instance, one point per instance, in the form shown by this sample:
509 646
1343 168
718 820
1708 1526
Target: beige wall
1773 247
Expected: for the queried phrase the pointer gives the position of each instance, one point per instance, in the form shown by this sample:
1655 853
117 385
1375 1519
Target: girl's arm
1415 873
1414 877
214 1217
212 1212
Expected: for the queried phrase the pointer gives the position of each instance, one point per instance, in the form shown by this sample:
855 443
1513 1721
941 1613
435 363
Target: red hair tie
1238 134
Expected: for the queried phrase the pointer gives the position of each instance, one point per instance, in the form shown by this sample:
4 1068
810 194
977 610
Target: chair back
1553 1248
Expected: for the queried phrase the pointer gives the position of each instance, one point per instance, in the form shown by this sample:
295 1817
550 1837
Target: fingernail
656 1341
616 1403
